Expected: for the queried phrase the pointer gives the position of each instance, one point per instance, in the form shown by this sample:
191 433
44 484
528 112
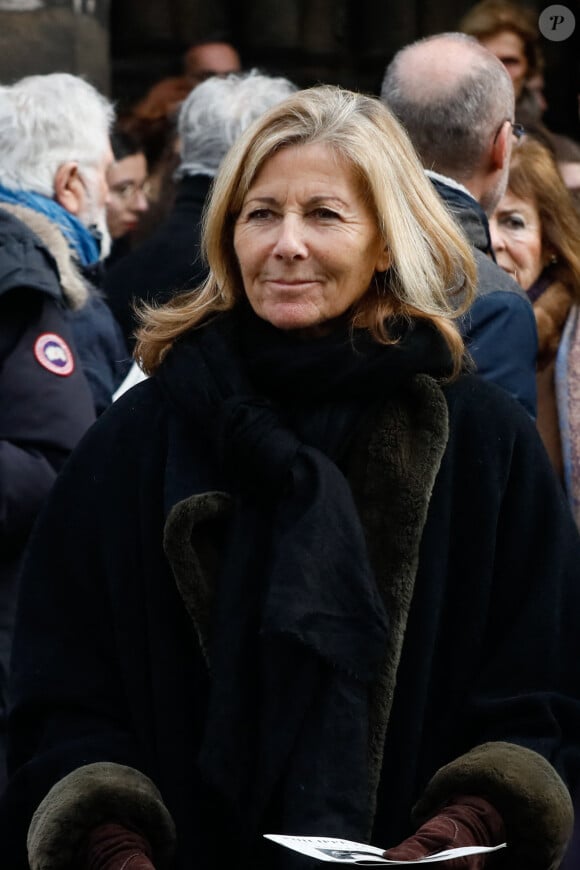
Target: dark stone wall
124 46
345 42
41 37
338 41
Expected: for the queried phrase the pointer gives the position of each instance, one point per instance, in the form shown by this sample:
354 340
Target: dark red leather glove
468 821
113 847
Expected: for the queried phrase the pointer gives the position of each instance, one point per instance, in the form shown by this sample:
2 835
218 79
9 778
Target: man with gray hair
58 341
210 120
54 154
456 102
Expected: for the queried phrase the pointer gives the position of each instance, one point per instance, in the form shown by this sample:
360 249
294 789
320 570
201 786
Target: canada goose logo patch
54 354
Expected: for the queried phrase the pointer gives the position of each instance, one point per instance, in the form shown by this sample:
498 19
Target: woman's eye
123 189
514 222
324 213
259 214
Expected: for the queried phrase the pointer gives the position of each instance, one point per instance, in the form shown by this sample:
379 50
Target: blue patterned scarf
81 241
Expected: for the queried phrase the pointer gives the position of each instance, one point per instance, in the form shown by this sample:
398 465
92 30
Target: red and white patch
54 354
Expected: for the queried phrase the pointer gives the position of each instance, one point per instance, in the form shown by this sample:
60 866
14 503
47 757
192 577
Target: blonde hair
431 261
534 176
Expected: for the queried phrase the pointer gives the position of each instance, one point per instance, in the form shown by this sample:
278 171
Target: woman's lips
291 285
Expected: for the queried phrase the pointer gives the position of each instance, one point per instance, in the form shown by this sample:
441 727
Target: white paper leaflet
348 852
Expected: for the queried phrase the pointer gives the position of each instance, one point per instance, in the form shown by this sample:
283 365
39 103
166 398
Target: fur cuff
89 796
524 788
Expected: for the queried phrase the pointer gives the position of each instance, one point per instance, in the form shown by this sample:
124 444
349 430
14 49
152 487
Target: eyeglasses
518 130
128 190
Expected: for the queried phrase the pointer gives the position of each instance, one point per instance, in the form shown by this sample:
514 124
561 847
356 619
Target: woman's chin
291 318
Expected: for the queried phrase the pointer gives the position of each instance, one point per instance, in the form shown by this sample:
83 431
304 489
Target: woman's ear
549 256
69 190
383 260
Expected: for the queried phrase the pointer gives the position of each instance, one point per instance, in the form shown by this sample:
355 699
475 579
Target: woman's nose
141 202
290 242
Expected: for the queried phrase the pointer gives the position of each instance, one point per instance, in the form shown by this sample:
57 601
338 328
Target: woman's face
127 200
307 243
510 49
516 236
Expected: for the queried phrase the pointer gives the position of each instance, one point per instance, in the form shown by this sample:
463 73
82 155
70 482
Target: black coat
45 407
164 264
475 553
104 355
45 399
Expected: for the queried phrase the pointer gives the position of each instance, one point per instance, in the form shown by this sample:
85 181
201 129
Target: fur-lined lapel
392 481
551 310
392 475
73 286
193 552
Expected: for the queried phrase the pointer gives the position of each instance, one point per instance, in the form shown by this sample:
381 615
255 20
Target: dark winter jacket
103 352
475 554
166 263
45 405
499 329
45 400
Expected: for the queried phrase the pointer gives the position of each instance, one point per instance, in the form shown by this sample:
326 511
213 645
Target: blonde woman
294 600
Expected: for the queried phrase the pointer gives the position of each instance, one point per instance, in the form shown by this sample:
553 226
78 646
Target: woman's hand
468 821
114 847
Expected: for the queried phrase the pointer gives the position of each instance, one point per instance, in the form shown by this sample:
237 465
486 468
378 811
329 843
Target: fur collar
73 286
551 310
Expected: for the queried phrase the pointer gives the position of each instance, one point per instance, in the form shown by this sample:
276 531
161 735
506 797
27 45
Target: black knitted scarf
298 627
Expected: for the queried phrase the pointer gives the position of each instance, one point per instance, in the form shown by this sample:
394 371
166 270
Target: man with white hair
212 117
456 101
59 344
54 154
